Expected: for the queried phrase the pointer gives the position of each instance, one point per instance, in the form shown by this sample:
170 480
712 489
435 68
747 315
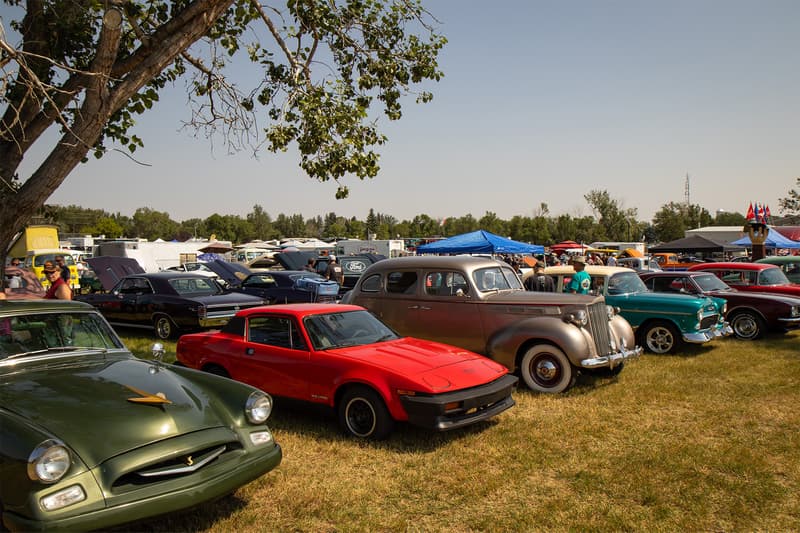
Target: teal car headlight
49 461
578 318
258 407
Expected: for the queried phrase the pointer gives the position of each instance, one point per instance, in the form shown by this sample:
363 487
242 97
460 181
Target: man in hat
581 282
335 272
538 281
59 289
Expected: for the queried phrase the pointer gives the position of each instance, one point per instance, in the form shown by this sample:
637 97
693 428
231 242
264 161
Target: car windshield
710 282
351 328
54 332
773 276
496 279
200 286
625 283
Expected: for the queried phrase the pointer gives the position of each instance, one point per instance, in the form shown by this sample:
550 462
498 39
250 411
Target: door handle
413 307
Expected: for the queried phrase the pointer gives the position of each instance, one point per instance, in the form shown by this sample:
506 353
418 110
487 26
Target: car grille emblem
189 461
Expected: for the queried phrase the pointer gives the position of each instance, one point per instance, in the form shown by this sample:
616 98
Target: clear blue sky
541 102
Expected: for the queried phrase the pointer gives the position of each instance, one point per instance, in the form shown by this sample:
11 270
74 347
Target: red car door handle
413 307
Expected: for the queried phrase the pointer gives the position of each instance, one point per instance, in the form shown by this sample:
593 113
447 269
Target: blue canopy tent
479 242
774 240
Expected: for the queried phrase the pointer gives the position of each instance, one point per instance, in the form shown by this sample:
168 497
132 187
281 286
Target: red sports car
758 277
343 357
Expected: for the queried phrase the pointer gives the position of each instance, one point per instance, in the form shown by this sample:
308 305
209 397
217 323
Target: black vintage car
169 302
352 265
288 286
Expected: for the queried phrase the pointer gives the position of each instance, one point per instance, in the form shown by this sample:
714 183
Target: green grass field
706 440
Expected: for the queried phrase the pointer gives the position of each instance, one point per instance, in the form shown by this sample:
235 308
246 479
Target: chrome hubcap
546 370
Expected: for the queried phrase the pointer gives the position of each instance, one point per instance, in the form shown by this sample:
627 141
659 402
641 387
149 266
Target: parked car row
436 342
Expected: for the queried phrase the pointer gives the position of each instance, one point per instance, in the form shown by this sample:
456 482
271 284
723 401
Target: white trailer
387 247
153 256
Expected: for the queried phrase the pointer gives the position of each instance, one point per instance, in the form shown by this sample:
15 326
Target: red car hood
439 367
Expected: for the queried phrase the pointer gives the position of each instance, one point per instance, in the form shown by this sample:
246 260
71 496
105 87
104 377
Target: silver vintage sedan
480 304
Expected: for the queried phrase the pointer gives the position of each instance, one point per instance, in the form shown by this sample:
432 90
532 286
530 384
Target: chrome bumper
698 338
613 359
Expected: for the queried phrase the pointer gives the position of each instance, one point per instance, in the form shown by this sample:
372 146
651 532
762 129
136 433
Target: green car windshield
625 283
54 332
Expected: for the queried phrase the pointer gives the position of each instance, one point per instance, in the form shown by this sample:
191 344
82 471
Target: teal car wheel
660 337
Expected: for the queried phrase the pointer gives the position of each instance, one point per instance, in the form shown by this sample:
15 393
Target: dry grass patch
703 440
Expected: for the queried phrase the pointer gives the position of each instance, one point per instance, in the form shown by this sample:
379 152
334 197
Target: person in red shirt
58 290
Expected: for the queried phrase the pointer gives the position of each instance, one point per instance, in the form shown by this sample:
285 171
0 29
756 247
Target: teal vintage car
93 437
662 321
790 264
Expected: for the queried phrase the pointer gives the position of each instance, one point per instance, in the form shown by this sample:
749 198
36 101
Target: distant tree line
608 222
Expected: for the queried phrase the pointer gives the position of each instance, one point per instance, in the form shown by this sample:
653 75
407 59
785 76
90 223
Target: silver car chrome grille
184 465
709 321
600 328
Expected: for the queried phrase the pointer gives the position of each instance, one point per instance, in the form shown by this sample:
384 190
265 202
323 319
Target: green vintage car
94 437
790 264
662 321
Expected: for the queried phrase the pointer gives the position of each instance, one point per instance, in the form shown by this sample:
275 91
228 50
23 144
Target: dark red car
752 277
750 314
343 357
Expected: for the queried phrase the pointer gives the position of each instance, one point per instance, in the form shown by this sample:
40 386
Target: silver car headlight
611 311
258 407
49 461
795 311
725 308
579 318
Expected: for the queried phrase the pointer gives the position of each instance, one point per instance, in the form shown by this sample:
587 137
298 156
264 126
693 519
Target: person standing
612 260
539 281
335 271
59 289
581 282
64 269
310 266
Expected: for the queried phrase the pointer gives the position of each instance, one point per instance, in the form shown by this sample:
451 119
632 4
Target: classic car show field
702 439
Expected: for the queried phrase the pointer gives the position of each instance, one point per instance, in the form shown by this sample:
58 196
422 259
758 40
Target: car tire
362 414
164 327
747 325
217 371
545 368
659 337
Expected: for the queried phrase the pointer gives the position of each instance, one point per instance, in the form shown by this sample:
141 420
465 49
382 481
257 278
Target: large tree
790 205
320 69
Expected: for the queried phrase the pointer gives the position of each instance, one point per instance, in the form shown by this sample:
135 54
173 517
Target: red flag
750 214
768 214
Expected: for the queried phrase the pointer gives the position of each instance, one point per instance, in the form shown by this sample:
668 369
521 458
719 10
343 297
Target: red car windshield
352 328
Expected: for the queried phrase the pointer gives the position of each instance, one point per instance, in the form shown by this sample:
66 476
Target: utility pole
686 193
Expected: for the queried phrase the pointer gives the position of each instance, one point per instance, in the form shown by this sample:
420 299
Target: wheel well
337 397
216 369
739 310
650 321
525 346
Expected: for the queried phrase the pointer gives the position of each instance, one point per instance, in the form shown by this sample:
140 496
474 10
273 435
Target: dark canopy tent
694 244
479 242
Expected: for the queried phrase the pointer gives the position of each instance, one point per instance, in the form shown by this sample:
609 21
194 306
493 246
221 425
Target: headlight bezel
49 462
258 407
577 317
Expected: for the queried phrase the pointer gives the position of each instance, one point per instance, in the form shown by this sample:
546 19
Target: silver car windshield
35 334
496 279
351 328
625 283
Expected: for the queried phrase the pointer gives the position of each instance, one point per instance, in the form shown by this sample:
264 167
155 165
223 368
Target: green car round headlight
258 407
49 461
